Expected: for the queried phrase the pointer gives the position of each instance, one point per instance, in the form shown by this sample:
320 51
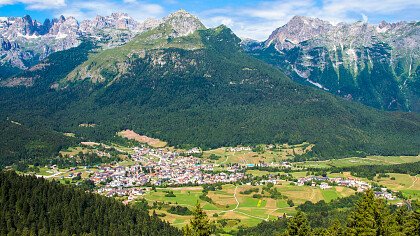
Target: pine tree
412 224
383 218
335 229
362 218
299 225
199 225
370 217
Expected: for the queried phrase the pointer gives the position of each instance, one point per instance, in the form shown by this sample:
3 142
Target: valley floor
237 186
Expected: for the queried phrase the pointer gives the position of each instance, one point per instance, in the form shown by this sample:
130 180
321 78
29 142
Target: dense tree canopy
360 215
34 206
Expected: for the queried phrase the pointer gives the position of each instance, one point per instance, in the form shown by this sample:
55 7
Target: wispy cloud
88 9
36 4
251 18
82 9
261 19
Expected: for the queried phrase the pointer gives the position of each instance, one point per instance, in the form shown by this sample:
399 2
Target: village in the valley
163 168
250 183
154 167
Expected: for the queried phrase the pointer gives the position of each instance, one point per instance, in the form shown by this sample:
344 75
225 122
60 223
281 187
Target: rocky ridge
25 41
174 31
375 64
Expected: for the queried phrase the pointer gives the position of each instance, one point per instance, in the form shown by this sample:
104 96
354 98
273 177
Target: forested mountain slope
198 88
18 142
34 206
377 65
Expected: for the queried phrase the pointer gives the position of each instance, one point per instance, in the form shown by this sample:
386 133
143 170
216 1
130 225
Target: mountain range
25 42
191 86
377 65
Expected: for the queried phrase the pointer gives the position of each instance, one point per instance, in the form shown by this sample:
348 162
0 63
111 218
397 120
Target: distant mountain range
377 65
191 86
24 42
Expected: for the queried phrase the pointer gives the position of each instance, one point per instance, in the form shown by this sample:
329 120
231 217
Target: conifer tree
199 225
299 225
335 229
362 218
370 217
412 224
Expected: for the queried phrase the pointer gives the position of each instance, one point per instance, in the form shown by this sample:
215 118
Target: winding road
414 182
256 217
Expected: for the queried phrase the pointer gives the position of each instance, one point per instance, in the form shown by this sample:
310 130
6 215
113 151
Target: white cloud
89 9
83 9
36 4
252 21
365 18
260 20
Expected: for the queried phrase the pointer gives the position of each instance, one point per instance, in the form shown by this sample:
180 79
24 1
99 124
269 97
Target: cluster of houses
325 182
238 149
160 168
385 194
119 192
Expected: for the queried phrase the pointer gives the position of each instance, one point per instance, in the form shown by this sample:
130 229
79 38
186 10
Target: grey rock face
183 23
297 30
114 30
377 65
24 42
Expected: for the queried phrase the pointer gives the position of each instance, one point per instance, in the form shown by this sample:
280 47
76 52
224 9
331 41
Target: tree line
367 216
370 171
35 206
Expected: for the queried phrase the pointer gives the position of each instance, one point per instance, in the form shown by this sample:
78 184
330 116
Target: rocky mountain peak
114 21
298 29
23 39
341 58
180 13
182 23
149 23
310 21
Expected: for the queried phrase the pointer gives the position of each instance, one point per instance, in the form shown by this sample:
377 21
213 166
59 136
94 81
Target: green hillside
376 82
35 206
18 142
201 90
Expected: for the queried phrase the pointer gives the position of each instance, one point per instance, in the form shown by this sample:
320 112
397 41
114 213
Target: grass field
284 152
230 204
71 151
299 174
412 194
329 194
409 185
257 172
45 171
357 161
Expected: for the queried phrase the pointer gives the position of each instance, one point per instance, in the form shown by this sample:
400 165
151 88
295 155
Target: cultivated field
282 152
409 185
229 203
357 161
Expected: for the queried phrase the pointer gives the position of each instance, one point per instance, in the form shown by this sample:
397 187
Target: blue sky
248 18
